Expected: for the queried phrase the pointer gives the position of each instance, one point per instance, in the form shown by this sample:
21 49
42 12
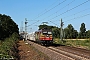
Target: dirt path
27 52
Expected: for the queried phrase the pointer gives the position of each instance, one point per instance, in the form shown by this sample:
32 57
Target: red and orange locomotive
44 36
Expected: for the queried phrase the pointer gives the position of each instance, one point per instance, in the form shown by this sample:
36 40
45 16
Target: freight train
43 36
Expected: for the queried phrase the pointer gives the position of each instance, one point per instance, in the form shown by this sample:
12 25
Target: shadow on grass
54 45
61 43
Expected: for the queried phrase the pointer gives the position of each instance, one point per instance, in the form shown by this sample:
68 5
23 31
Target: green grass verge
8 48
76 43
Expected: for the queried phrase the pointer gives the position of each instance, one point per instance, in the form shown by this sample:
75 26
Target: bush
9 47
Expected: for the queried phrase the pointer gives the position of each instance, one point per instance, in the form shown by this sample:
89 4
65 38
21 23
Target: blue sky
72 12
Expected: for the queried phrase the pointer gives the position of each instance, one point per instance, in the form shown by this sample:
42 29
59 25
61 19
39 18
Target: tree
43 27
70 33
56 32
7 26
75 34
82 33
66 31
88 34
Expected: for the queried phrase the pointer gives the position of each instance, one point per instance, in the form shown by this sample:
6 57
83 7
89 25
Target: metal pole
61 35
26 29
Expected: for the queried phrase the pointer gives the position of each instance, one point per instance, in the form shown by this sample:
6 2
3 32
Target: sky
72 12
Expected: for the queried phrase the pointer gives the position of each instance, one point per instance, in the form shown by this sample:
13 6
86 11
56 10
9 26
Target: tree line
69 32
7 26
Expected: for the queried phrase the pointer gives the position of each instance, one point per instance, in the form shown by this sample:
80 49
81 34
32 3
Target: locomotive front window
44 32
49 32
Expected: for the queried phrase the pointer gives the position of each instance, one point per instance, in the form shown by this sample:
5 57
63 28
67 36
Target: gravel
51 54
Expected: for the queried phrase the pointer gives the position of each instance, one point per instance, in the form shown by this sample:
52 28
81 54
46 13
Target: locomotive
43 36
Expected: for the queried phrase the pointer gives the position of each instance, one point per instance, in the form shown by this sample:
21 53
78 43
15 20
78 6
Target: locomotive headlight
47 35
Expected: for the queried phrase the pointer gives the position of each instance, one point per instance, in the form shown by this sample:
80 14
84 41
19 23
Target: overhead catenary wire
50 9
47 11
78 17
34 23
82 16
54 23
76 13
59 9
70 9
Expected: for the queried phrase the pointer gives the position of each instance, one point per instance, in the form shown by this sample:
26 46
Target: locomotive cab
44 37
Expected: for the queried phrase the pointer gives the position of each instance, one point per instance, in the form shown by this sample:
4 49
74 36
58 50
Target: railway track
77 51
73 55
62 53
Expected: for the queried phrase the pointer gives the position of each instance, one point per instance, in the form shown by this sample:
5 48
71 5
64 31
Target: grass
76 43
8 47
